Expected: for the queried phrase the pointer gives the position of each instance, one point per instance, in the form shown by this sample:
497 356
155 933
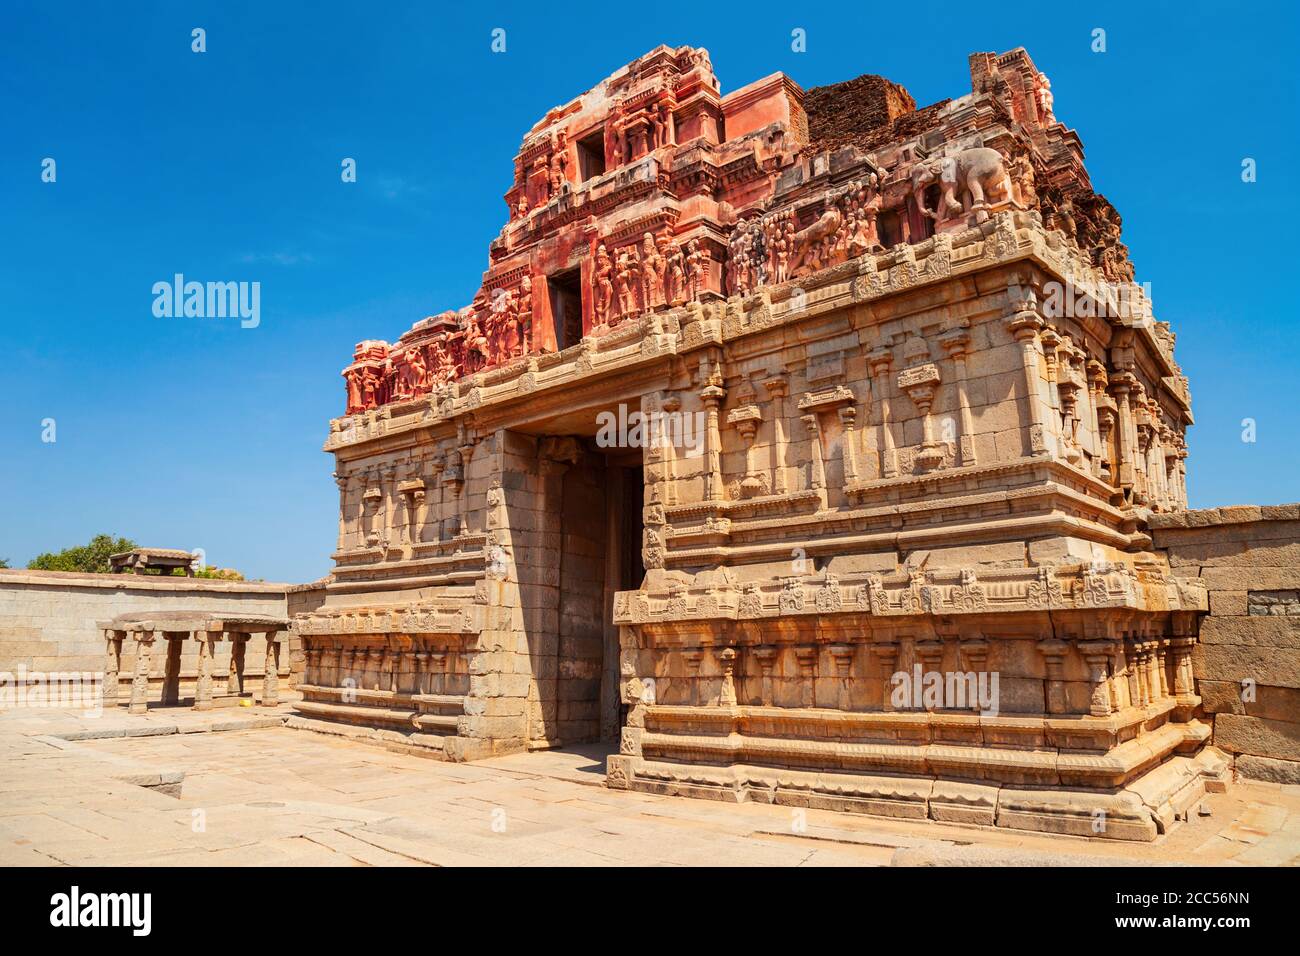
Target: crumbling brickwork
854 112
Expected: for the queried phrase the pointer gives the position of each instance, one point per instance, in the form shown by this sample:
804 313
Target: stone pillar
1181 648
421 672
1131 671
776 388
767 655
842 657
1050 341
140 684
342 482
1024 325
957 344
1155 678
727 660
271 671
976 652
1143 670
847 453
887 653
1097 655
692 658
816 468
438 662
1096 374
112 667
1125 437
930 654
712 396
672 406
203 683
171 689
1119 674
387 505
807 659
462 504
880 361
1162 669
1054 652
235 678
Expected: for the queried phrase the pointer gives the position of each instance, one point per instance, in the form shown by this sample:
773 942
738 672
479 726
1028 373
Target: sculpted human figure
1044 93
624 278
525 312
733 262
649 271
616 124
677 275
663 249
1021 171
353 379
369 388
559 162
602 280
441 370
695 264
418 371
476 343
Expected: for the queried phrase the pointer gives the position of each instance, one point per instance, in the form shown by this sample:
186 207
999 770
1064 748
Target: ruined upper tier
653 190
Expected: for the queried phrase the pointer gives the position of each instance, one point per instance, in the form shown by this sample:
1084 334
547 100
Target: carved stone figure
978 171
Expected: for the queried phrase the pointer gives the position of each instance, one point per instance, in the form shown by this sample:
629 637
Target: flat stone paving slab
262 794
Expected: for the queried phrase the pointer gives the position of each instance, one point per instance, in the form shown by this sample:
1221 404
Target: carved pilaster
1024 324
1054 652
957 344
776 389
880 361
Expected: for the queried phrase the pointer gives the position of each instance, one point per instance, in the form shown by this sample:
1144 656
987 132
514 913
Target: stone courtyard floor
234 787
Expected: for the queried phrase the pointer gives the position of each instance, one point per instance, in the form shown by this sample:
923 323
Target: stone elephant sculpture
979 171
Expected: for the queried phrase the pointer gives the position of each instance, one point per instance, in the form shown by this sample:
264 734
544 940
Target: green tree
4 562
92 557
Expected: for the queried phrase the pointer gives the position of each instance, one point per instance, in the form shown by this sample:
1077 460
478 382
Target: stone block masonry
1247 662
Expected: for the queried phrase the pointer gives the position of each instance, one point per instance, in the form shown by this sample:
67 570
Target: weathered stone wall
48 620
1247 663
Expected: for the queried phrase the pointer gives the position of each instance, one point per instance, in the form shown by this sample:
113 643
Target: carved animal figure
808 239
978 171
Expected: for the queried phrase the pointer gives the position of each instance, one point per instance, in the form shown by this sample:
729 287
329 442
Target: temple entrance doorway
590 533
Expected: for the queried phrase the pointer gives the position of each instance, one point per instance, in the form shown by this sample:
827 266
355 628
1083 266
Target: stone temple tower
802 445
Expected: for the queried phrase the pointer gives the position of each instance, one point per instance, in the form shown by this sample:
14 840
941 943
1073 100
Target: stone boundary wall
48 621
1249 558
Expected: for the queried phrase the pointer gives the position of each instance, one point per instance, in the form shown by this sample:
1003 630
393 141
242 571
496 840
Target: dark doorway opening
566 307
591 155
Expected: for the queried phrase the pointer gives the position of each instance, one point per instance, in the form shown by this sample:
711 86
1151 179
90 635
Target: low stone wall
48 621
1247 662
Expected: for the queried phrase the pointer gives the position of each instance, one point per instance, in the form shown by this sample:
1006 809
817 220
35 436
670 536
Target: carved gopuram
804 444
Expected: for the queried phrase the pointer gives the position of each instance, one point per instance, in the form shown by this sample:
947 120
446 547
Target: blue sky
196 433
